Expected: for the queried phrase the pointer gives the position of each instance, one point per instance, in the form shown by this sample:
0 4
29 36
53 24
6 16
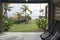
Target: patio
21 36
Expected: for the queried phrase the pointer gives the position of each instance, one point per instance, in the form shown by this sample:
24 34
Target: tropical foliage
23 16
24 9
41 23
6 21
6 8
21 19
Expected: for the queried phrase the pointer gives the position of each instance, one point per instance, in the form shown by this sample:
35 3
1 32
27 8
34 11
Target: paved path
21 36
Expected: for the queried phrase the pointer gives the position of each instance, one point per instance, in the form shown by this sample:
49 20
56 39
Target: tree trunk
25 16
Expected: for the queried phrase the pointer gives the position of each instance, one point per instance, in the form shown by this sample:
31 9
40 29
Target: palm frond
5 4
25 8
10 7
30 11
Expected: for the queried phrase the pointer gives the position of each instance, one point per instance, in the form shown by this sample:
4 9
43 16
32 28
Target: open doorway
25 17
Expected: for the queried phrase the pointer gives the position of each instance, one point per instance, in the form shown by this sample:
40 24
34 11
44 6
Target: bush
22 19
41 23
6 23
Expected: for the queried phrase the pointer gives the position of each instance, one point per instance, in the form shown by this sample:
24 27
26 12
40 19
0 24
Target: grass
30 27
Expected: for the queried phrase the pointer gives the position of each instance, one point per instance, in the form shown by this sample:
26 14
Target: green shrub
6 23
22 19
18 21
41 23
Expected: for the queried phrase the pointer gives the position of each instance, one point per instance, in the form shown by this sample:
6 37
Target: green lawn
30 27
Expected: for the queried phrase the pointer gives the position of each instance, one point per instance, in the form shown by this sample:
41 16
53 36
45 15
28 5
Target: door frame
50 10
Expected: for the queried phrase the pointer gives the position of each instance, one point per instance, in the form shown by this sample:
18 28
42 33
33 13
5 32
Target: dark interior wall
1 12
51 17
13 1
24 1
57 2
39 1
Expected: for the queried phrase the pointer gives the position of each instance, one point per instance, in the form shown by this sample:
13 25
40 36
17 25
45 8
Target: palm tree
6 8
28 17
18 15
6 20
24 9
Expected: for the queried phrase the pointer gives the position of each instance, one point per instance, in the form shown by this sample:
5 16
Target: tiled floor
21 36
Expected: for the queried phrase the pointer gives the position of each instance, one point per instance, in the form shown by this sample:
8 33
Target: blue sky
34 7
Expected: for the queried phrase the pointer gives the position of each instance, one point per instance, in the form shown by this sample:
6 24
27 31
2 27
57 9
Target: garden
22 23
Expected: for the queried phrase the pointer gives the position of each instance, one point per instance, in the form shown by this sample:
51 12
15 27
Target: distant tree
28 17
24 9
18 16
